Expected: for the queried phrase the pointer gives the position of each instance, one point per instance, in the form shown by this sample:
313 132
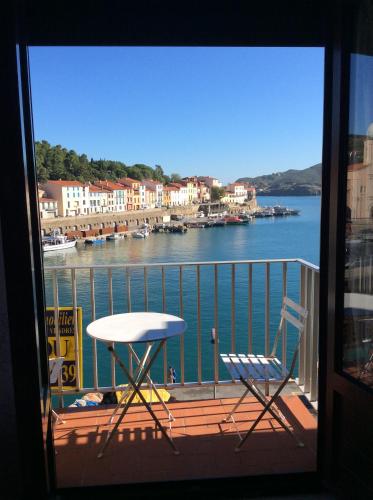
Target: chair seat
256 367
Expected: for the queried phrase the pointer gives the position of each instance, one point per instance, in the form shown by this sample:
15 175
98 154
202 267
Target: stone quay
129 220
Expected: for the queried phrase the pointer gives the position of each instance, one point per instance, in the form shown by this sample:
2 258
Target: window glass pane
358 299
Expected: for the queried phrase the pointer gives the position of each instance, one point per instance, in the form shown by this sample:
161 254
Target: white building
119 197
210 181
191 183
72 196
235 193
157 187
48 208
180 196
98 199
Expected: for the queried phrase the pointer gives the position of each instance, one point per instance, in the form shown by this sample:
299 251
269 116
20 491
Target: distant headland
305 182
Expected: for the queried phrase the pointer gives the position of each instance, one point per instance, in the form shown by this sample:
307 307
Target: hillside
305 182
57 162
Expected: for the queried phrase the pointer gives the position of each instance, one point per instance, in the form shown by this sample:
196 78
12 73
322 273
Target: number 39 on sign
71 343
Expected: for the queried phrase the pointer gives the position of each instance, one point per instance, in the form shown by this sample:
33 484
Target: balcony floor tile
139 453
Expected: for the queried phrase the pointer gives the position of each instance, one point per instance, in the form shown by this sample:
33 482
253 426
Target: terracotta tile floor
139 453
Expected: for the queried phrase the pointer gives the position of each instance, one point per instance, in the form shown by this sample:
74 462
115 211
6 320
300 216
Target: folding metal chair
55 365
254 369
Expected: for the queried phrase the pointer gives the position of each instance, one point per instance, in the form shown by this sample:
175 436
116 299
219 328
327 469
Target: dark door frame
277 23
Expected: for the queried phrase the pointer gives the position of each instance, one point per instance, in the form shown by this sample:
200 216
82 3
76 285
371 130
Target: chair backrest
298 320
55 365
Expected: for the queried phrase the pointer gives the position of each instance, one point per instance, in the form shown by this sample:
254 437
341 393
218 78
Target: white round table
132 328
135 327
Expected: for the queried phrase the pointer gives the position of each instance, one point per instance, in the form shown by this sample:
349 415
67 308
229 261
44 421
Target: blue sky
225 112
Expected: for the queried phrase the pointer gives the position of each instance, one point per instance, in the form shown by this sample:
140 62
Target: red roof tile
65 183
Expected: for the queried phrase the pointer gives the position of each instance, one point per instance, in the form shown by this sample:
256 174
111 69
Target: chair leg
230 414
267 407
57 418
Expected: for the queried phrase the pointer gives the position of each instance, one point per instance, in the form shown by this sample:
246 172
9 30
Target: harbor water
263 238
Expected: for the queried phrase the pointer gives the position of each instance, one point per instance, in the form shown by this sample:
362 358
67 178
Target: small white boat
56 241
113 236
141 234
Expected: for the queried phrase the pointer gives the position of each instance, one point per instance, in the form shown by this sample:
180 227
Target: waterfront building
98 199
72 196
150 197
155 189
210 181
137 191
119 194
179 195
235 193
203 192
167 196
191 183
48 208
250 192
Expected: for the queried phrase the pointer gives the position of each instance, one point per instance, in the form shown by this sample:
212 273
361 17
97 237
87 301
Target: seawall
131 220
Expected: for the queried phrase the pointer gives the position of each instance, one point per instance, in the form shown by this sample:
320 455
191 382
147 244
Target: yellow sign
66 330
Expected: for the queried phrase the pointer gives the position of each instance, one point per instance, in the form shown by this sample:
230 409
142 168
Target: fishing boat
57 241
141 234
280 210
113 237
233 221
219 223
94 241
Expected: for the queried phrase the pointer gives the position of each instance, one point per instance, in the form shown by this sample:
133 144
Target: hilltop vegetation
289 183
56 162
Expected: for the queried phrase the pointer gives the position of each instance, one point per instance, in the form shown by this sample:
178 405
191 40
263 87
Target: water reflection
358 320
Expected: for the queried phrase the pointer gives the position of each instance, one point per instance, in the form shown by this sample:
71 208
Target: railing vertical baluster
370 275
164 310
182 354
315 337
76 333
307 339
146 288
216 326
233 309
93 318
360 275
303 286
57 330
250 308
267 318
267 306
199 347
129 309
284 330
111 312
110 290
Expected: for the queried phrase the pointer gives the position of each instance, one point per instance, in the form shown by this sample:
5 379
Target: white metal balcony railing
274 282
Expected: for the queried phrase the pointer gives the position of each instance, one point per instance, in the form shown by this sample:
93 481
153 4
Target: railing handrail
178 264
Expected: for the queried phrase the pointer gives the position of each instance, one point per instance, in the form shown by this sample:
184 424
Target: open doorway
218 150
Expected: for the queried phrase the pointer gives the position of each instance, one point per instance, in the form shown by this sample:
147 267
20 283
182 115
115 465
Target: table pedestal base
142 373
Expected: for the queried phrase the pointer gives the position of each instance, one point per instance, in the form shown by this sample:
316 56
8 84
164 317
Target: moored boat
233 220
97 241
114 236
56 241
141 234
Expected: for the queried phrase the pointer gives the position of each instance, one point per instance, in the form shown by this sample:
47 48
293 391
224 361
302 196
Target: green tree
158 173
175 177
55 162
216 193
